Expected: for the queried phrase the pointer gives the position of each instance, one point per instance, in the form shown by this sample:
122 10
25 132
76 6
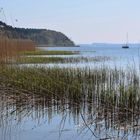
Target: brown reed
10 48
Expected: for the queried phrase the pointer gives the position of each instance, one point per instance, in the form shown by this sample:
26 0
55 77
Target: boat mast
127 39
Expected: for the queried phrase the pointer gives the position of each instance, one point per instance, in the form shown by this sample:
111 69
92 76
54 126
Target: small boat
126 46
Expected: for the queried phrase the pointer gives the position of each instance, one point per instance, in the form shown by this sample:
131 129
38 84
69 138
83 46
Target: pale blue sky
84 21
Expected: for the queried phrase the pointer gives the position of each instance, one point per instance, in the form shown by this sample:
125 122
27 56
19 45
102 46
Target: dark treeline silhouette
39 36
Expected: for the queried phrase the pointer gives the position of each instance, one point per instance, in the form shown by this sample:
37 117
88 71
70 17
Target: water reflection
80 118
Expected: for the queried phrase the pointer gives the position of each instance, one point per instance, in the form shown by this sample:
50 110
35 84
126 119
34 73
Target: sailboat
126 46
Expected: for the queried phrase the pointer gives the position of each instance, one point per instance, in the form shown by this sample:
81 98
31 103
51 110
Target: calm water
36 118
119 57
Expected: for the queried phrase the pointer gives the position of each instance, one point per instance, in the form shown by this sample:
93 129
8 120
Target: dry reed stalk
10 48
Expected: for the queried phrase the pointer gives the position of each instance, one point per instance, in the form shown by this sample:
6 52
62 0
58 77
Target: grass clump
40 52
103 85
39 60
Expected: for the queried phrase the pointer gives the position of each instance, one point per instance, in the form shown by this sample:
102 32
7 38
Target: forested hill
39 36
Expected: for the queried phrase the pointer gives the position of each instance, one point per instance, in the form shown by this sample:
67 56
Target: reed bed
10 48
45 59
41 52
111 87
105 99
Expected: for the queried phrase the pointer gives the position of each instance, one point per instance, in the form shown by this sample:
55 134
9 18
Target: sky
83 21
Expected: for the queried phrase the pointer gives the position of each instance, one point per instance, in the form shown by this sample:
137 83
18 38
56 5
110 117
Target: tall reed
105 99
10 48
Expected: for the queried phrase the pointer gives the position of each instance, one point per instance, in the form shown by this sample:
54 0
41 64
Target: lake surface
36 118
119 57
